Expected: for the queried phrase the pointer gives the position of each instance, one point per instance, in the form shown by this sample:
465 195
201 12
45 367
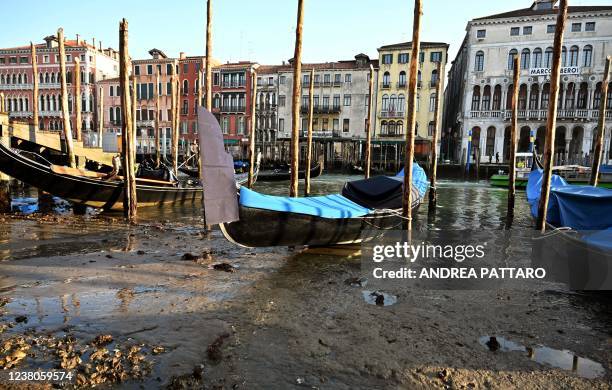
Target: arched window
419 78
401 103
533 97
490 145
25 78
52 77
386 80
476 99
402 79
587 56
486 99
20 104
1 79
432 102
434 77
597 96
384 128
570 96
574 52
19 79
563 56
548 55
41 78
385 103
497 98
47 78
582 96
393 103
479 61
118 114
513 53
14 79
522 98
545 97
391 128
185 87
111 114
399 127
525 59
537 58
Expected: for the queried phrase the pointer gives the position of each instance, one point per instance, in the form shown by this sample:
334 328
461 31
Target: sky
262 31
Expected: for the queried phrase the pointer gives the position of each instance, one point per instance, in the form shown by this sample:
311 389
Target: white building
479 88
340 107
267 126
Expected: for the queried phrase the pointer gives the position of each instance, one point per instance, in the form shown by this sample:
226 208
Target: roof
338 65
424 45
67 43
537 12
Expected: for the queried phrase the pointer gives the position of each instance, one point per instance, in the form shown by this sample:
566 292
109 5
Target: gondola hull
267 228
96 193
315 171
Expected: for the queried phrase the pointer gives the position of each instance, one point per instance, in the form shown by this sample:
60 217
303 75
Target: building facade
232 91
16 82
267 123
477 116
340 108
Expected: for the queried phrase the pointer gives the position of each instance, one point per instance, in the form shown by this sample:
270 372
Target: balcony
338 83
233 85
385 85
433 83
321 110
16 87
145 123
392 114
401 85
231 109
391 135
541 115
322 134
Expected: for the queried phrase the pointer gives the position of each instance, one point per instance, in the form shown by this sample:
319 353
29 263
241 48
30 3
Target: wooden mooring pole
411 122
65 110
157 122
295 103
601 125
433 195
129 200
252 132
35 123
78 127
513 137
175 119
551 122
368 145
309 135
208 90
101 118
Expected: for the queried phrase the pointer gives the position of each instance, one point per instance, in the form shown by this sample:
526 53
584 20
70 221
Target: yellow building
391 100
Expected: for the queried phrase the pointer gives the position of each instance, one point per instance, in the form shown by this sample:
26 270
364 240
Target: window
281 124
403 58
325 101
479 64
111 90
347 100
336 101
386 80
431 128
402 79
525 59
137 70
576 27
336 124
345 125
515 31
387 59
476 99
550 29
306 79
548 54
185 67
216 79
45 59
169 69
537 58
436 56
573 60
481 34
337 78
421 57
589 26
564 56
432 102
282 80
587 56
325 124
327 79
347 78
281 100
24 60
527 30
513 53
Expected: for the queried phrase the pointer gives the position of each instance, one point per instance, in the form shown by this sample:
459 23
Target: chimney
182 55
100 43
93 42
78 39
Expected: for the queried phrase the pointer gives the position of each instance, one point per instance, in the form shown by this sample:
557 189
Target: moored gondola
364 211
283 174
90 188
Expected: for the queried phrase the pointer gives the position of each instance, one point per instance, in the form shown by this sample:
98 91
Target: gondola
577 247
92 188
283 175
364 210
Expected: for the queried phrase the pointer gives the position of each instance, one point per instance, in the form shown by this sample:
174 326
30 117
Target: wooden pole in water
433 195
35 85
601 124
411 122
175 120
555 77
129 200
1 101
252 127
208 91
157 120
368 150
65 111
78 127
309 135
101 118
513 136
295 103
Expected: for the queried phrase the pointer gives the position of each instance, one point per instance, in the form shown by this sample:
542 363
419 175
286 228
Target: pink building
16 81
